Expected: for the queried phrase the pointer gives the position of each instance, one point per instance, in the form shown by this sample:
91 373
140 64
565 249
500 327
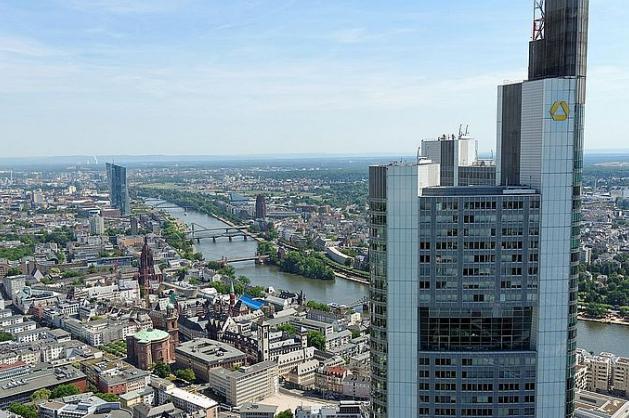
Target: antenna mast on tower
538 20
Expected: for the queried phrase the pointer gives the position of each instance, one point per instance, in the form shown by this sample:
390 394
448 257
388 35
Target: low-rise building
40 376
287 362
601 367
247 384
256 410
620 376
78 406
356 387
596 405
115 377
303 375
193 402
346 409
202 355
330 378
144 396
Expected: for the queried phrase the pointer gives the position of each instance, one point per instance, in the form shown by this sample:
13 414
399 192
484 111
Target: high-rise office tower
97 225
473 288
260 207
118 191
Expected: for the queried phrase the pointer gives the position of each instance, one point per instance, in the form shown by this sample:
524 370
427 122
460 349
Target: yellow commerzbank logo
559 111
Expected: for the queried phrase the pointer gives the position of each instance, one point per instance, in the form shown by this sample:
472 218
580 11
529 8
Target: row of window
483 387
477 245
483 232
477 399
425 204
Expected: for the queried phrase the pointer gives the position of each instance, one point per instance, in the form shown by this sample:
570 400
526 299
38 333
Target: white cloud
27 47
126 6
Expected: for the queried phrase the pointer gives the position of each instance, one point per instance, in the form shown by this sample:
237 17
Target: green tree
109 397
186 374
13 271
311 266
197 256
24 410
213 265
313 304
64 390
285 414
596 310
41 395
267 248
5 336
228 271
162 370
316 339
17 252
255 291
287 328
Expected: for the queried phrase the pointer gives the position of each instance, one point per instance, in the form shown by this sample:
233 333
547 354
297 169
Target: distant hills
86 161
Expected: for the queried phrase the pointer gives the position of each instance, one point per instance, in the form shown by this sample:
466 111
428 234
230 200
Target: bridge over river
198 232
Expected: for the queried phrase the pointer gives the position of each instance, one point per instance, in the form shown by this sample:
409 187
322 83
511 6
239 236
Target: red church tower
146 274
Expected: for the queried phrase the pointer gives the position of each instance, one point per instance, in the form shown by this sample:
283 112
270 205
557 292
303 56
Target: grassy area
117 348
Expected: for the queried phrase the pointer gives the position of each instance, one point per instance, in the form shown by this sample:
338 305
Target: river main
592 336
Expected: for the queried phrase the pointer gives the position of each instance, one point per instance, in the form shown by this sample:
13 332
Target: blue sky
277 76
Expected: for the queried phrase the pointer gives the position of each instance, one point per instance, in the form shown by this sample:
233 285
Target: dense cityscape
446 282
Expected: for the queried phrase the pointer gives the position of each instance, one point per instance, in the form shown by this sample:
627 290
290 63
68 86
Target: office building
345 409
118 191
82 405
202 354
40 376
247 384
255 410
596 405
260 207
97 225
473 288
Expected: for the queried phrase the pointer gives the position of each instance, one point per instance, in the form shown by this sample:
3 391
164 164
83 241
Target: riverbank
611 321
354 279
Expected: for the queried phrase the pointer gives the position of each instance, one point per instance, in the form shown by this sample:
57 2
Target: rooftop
42 376
150 335
598 403
477 191
209 351
199 400
244 371
256 407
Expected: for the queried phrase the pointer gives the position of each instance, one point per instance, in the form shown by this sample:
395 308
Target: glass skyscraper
118 191
473 288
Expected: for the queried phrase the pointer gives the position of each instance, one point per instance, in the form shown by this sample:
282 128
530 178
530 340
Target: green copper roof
149 335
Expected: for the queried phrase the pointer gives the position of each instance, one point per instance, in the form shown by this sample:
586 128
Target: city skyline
117 77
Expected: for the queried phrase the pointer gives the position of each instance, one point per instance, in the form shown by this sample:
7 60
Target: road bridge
259 259
166 205
198 232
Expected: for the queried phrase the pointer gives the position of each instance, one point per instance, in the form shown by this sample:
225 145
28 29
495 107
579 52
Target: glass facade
478 281
378 288
118 191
